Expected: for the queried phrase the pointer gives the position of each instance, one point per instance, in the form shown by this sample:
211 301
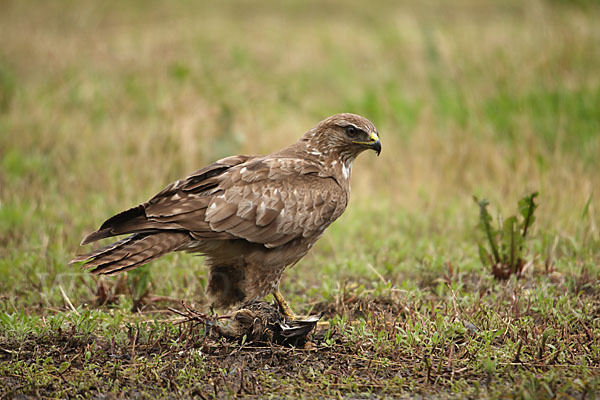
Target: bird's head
346 135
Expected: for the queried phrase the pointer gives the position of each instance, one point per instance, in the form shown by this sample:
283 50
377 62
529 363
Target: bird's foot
287 312
284 307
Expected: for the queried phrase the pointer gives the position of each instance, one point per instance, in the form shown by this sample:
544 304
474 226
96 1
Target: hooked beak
376 146
374 143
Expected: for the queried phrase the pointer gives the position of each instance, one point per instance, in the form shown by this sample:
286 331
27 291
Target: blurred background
102 104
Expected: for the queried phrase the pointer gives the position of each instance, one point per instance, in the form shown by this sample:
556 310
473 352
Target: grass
102 105
507 243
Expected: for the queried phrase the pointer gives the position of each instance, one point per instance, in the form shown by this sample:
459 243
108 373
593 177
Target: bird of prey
250 216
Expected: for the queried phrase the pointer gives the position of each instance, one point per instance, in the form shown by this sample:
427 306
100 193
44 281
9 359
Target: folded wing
266 200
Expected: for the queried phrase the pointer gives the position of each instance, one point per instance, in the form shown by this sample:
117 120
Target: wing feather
180 205
266 200
275 207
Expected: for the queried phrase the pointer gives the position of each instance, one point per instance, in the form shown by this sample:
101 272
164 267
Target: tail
132 251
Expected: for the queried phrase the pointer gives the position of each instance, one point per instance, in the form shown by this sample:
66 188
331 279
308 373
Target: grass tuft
506 255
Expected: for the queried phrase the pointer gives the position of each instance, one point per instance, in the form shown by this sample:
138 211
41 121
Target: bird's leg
287 311
283 305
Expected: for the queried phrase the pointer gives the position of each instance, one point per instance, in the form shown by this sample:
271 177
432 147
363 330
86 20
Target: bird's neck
334 164
341 170
331 163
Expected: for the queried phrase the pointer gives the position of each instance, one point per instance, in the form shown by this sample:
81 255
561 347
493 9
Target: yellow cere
373 137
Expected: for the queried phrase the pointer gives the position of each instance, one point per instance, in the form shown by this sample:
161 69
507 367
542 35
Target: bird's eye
352 131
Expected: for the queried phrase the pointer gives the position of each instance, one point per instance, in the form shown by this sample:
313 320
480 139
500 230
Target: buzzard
250 216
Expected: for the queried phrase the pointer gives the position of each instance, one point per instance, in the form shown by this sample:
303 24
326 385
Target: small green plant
506 254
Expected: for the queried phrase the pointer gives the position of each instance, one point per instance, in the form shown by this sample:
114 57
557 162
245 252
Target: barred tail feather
132 251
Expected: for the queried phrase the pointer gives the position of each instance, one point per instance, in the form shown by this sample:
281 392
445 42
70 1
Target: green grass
102 105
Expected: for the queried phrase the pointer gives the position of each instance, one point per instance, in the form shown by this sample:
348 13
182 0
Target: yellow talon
288 313
283 305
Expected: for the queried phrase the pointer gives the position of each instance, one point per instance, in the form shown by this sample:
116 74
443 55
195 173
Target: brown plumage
251 216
